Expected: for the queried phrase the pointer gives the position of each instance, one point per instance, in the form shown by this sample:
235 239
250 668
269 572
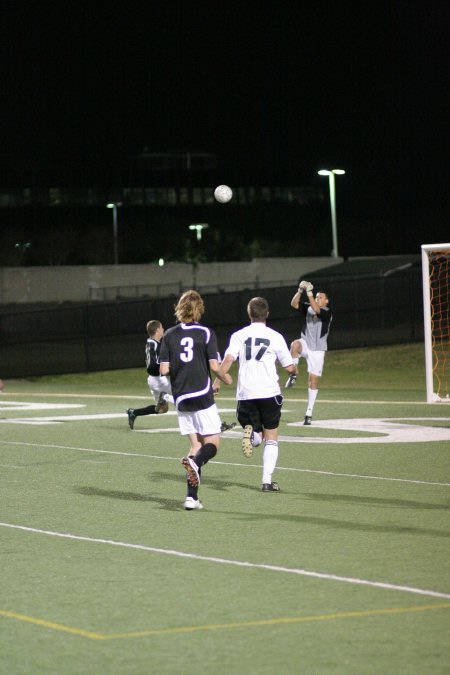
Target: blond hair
190 307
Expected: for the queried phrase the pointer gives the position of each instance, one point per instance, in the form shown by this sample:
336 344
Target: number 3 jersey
189 347
258 347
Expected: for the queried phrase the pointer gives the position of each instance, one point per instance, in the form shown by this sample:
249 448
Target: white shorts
204 422
158 384
314 359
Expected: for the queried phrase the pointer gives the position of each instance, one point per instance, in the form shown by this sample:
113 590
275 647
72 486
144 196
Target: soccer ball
223 193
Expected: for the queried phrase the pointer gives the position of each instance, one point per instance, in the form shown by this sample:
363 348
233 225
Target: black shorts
261 413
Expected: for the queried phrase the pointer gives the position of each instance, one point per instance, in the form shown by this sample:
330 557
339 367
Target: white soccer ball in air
223 193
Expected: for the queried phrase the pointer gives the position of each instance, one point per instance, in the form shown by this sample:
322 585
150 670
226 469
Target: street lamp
113 206
198 227
331 173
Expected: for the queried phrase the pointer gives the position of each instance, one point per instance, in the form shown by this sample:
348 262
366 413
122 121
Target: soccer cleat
308 420
191 467
270 487
226 427
162 406
190 504
131 417
247 445
292 379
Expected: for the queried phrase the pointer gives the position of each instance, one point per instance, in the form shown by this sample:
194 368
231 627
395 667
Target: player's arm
214 366
164 359
295 302
292 369
284 358
164 368
222 371
308 288
303 285
312 302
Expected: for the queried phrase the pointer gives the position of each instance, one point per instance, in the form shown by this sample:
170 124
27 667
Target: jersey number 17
251 343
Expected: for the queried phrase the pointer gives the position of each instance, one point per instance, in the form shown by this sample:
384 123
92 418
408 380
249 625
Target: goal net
436 305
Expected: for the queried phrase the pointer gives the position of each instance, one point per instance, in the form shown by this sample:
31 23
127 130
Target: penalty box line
237 563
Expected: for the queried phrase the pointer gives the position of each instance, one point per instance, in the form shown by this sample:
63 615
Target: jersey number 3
187 343
262 343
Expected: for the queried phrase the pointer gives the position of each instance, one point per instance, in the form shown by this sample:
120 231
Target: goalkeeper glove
308 287
302 286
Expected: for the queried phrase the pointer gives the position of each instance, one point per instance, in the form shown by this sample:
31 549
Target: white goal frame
432 396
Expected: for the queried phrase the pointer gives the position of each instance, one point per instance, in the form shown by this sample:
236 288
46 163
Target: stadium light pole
114 206
198 227
331 174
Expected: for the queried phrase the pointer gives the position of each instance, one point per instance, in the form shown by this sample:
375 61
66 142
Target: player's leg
195 442
298 349
315 369
147 410
139 412
208 449
227 426
186 426
162 392
204 435
270 411
166 388
193 465
249 419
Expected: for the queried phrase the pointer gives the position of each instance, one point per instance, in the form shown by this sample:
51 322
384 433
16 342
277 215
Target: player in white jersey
313 342
257 348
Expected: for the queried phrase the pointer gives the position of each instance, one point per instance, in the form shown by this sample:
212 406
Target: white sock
257 439
270 456
295 360
312 395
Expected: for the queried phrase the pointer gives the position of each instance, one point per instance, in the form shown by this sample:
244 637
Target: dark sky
278 90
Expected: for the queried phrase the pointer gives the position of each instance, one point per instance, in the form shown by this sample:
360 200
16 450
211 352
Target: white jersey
258 347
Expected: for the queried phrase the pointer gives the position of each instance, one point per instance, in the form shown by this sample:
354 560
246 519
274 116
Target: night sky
278 91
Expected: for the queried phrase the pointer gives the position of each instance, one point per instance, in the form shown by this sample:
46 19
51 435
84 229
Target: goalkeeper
312 344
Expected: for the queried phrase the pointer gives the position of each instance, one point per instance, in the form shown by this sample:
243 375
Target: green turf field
346 570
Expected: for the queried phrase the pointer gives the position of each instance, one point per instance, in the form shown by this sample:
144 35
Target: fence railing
135 291
368 311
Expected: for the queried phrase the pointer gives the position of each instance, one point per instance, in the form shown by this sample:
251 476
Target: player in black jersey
188 354
159 386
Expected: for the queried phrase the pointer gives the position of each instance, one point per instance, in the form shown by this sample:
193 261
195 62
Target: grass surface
344 571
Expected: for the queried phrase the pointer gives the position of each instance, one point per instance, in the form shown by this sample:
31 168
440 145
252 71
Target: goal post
436 316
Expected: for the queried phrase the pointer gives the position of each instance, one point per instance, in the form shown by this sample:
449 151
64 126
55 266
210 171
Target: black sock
192 491
149 410
206 452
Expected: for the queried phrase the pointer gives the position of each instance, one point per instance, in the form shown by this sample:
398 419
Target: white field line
234 464
237 563
122 397
383 430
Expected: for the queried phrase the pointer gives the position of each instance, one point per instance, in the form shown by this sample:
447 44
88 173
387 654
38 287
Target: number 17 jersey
258 347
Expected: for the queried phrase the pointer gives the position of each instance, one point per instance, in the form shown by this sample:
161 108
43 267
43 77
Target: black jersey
189 347
152 350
